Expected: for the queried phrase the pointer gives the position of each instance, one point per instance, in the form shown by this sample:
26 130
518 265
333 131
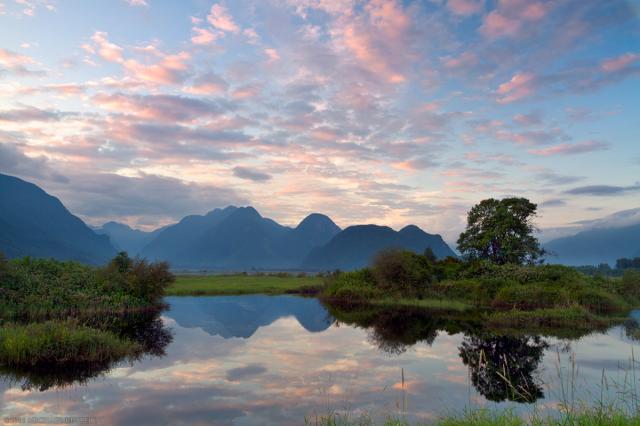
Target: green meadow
216 285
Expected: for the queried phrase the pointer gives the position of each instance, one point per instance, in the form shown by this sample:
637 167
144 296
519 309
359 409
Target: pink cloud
378 41
202 36
272 54
246 91
497 25
520 86
569 149
171 69
509 18
465 7
12 59
220 18
619 63
108 51
465 60
207 84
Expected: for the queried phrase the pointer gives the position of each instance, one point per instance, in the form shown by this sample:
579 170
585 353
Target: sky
381 111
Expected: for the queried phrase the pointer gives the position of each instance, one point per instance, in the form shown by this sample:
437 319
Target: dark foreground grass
59 343
484 417
215 285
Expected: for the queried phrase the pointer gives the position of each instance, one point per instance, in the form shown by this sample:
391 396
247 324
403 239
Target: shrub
631 283
137 277
402 271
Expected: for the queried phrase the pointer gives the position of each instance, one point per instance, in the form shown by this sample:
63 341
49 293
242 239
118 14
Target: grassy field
211 285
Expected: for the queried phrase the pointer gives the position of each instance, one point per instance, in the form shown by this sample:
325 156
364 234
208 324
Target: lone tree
501 231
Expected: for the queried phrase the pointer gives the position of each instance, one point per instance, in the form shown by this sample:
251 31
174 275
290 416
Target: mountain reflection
242 316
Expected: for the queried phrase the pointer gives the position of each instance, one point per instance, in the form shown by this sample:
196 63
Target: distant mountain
595 246
242 316
33 223
239 238
123 237
356 246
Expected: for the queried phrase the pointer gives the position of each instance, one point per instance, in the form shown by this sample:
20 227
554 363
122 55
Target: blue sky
369 111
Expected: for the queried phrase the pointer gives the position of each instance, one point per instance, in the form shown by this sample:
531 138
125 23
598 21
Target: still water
274 360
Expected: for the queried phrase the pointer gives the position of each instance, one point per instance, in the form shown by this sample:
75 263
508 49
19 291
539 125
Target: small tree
501 231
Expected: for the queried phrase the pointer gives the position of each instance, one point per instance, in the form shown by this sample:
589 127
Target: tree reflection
503 367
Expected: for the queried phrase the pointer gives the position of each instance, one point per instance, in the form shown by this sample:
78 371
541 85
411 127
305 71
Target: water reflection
296 358
504 367
501 367
242 316
146 328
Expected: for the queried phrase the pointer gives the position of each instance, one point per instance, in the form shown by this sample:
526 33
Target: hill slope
123 237
356 246
594 246
34 223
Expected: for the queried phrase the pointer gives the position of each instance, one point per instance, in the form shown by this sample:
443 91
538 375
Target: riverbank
502 296
69 316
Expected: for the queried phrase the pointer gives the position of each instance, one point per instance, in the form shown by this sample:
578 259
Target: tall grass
57 343
621 409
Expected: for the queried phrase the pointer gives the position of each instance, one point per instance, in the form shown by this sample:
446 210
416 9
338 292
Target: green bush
138 277
530 297
402 272
631 283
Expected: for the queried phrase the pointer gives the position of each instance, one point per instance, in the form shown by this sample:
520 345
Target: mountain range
34 223
595 246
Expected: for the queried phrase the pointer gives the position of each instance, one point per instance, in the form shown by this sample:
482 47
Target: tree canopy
501 231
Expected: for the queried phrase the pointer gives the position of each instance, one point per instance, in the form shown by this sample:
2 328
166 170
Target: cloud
249 174
603 190
203 36
570 149
554 202
142 198
28 114
243 373
207 84
220 18
163 68
137 3
158 107
465 7
520 86
14 162
511 17
620 63
17 63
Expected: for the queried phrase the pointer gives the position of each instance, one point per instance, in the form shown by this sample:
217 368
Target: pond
262 360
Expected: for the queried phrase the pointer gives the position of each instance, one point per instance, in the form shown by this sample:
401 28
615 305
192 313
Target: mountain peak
317 219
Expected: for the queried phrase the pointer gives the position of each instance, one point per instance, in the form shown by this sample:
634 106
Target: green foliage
59 343
628 263
501 231
630 283
402 271
138 277
44 288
